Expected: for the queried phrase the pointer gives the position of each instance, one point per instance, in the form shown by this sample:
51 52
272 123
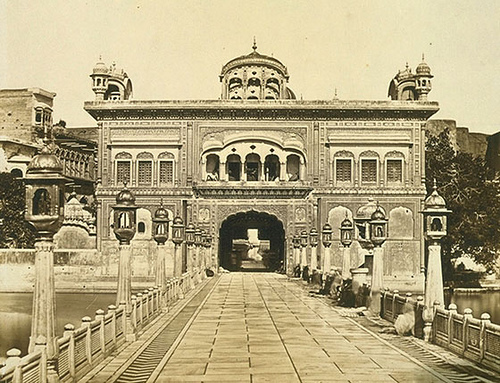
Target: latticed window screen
394 170
122 172
166 172
343 170
369 171
145 172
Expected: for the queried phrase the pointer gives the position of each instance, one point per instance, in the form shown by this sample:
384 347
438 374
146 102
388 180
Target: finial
125 184
407 66
434 187
423 57
335 92
161 201
254 47
100 57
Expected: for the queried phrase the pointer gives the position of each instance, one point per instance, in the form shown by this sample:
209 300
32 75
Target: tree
15 232
464 181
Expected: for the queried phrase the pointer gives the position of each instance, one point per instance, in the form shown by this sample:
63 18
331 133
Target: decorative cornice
245 192
292 110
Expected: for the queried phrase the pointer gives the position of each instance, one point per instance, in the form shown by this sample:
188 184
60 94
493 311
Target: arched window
272 167
18 173
252 167
41 202
123 161
212 167
233 167
293 167
144 169
141 227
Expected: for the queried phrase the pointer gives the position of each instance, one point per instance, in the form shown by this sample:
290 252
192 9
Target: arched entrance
251 241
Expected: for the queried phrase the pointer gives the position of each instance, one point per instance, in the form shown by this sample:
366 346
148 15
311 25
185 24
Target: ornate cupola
110 83
255 77
423 80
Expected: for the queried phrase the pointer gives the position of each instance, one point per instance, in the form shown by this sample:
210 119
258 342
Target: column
282 171
222 171
434 281
123 293
326 260
377 280
161 271
346 262
314 258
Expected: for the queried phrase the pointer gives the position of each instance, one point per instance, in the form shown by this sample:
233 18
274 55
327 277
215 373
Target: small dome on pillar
45 162
435 201
125 197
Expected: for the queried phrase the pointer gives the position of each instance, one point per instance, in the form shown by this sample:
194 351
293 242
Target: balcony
252 189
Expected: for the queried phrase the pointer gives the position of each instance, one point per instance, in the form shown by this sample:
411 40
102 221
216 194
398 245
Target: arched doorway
252 241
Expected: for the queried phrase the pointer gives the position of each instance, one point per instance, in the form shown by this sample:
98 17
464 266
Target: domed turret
45 162
408 86
125 197
100 68
255 77
434 201
423 80
110 83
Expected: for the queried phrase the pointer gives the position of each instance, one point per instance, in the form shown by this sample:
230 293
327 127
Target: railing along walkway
81 349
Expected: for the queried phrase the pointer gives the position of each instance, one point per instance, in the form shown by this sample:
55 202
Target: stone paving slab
259 327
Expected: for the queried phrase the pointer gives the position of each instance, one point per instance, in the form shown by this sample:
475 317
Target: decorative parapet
261 109
249 191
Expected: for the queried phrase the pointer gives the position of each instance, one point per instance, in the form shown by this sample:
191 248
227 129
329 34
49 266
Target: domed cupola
255 77
45 162
423 80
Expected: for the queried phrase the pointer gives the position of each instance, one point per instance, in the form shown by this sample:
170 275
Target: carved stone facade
259 150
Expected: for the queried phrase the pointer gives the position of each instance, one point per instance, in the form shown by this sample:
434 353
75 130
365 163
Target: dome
161 213
255 58
178 221
45 162
327 228
346 223
366 211
100 68
125 197
423 68
435 201
378 215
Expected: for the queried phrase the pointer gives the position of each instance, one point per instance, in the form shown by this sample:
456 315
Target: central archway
252 241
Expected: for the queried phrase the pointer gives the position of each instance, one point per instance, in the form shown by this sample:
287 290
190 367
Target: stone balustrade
476 339
82 348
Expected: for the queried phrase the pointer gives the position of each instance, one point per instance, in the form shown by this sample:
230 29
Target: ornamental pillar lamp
378 235
177 239
326 239
190 243
346 234
203 246
362 222
197 242
160 230
435 228
296 249
45 212
124 213
313 240
303 243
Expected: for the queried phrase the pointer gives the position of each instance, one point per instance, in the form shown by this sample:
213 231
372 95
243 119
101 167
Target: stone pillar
303 257
326 260
314 258
434 281
282 171
190 258
124 291
346 262
377 280
161 267
223 171
44 299
178 260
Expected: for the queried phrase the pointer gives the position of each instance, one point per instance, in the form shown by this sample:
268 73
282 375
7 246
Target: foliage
15 232
465 182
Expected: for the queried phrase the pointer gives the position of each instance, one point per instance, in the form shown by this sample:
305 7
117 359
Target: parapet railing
473 338
80 349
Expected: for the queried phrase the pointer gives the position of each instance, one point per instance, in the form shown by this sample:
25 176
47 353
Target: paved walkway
261 327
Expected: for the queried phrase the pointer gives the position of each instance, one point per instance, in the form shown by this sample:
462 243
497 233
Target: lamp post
197 242
378 235
203 249
296 249
372 233
209 250
326 239
45 212
435 228
303 243
160 227
190 243
124 214
177 239
313 240
346 234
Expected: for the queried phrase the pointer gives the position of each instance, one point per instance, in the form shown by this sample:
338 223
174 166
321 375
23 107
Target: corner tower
255 77
110 83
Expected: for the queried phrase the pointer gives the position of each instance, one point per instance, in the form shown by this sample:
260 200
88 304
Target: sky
176 49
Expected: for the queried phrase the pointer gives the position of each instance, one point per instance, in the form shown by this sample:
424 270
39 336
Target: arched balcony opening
212 167
272 168
233 165
252 167
41 202
293 167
